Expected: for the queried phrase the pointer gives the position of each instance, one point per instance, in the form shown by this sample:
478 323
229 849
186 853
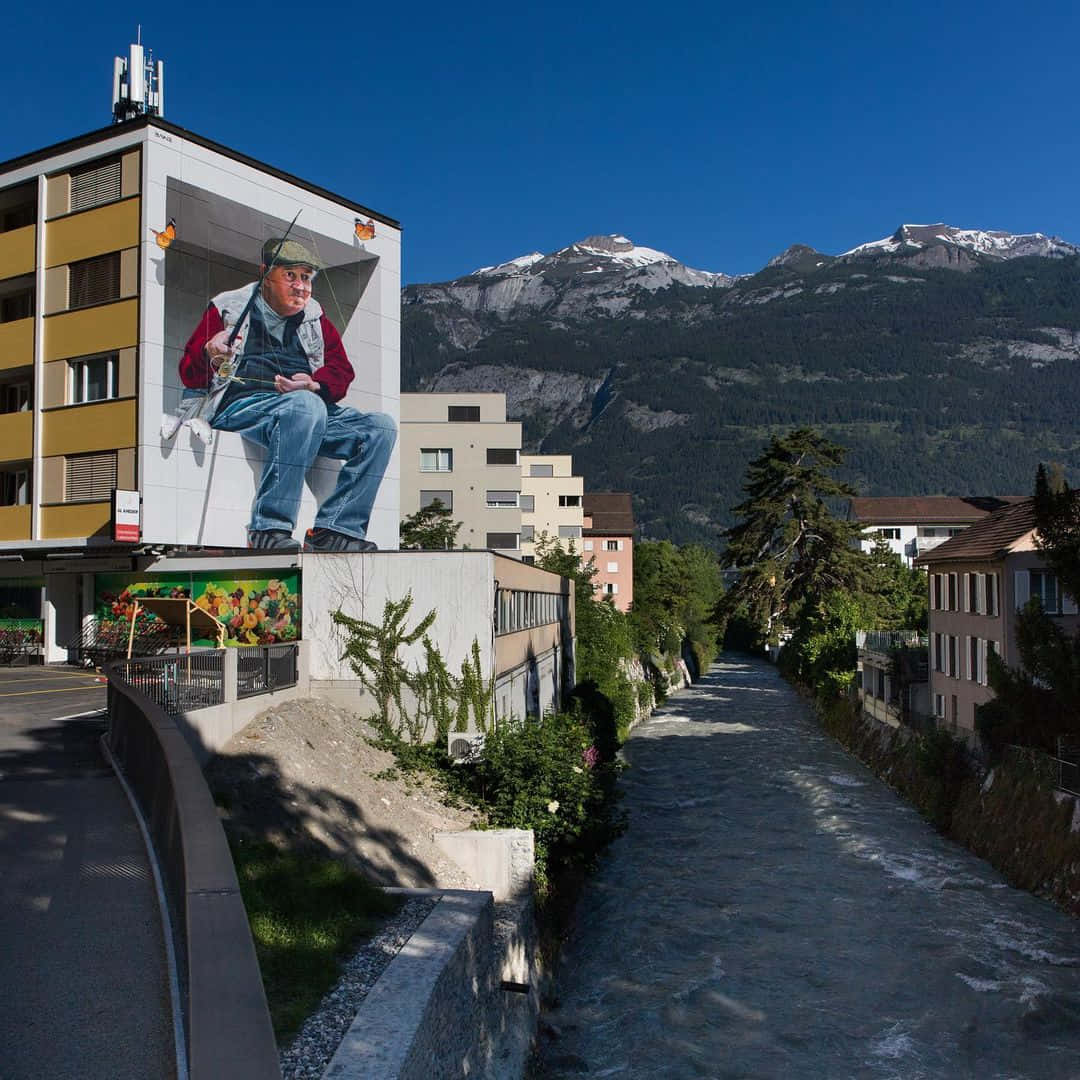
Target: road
82 964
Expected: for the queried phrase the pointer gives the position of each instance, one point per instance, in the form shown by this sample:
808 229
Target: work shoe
335 542
271 540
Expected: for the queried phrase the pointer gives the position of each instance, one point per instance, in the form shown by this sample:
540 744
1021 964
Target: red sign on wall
127 517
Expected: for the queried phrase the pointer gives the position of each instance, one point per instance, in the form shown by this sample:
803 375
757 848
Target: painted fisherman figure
275 369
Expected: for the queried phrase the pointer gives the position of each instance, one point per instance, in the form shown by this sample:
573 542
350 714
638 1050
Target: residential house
913 524
551 502
608 542
461 450
978 580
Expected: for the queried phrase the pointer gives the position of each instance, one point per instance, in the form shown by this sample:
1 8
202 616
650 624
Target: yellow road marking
15 680
62 690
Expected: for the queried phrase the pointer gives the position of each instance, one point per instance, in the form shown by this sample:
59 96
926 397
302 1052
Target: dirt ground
306 767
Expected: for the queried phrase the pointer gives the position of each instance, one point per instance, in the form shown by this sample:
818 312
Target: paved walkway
82 968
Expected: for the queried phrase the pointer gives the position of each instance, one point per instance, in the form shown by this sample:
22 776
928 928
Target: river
775 911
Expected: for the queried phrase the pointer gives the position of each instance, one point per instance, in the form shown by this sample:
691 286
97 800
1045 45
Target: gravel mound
307 768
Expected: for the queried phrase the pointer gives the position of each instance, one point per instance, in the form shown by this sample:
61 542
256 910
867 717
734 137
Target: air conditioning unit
463 747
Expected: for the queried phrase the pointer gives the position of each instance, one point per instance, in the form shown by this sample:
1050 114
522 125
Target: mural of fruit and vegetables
255 611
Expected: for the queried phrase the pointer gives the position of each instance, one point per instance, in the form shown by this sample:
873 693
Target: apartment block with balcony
461 450
552 502
978 580
608 541
913 525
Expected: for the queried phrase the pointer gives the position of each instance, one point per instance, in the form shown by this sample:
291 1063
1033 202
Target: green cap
292 253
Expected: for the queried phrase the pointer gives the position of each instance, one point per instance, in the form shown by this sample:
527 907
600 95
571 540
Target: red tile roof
988 538
612 513
927 509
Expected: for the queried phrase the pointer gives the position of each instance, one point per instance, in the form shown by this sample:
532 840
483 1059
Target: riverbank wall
1011 815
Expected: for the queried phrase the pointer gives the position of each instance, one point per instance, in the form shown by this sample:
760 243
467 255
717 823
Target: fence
263 669
886 640
179 684
1057 772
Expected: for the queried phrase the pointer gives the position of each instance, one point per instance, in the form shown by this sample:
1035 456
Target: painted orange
83 429
92 232
16 343
92 330
75 519
17 251
14 522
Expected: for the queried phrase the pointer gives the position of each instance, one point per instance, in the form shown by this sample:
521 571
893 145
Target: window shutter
982 662
94 281
1022 588
967 596
620 543
965 671
95 184
90 477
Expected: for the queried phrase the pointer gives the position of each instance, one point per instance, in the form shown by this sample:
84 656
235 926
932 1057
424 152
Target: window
570 532
939 653
90 477
889 534
952 669
15 397
569 500
954 604
880 692
446 497
527 532
610 588
17 301
14 486
971 590
612 567
587 545
973 658
502 498
94 184
437 460
17 217
992 594
937 591
469 414
508 541
527 503
530 559
94 281
1043 587
613 545
541 470
94 378
501 456
521 609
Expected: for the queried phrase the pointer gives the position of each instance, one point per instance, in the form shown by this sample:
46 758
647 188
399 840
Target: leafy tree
821 652
604 644
899 591
790 547
431 528
1057 514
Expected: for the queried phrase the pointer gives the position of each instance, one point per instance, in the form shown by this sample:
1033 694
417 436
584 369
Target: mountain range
943 358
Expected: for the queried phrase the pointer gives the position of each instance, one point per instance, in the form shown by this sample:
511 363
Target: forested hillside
937 381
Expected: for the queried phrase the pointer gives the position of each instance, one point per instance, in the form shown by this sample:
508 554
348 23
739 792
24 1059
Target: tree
372 652
431 528
790 548
1057 514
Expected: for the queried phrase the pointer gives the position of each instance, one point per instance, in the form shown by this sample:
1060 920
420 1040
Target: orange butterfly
167 235
365 230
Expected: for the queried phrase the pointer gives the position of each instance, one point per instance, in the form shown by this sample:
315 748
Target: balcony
17 251
14 522
16 344
16 436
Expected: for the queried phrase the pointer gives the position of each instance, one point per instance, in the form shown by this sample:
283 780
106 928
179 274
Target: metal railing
886 640
264 668
177 684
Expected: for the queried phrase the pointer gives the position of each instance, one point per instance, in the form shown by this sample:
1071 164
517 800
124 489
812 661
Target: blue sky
719 133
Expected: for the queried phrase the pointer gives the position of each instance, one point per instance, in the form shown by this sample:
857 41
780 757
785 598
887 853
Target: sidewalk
82 965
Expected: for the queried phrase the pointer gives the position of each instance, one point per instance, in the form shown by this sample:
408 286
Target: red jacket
333 376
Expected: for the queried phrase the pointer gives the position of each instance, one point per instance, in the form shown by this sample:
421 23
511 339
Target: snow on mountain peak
512 266
1002 245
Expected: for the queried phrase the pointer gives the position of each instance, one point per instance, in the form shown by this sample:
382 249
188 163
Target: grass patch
308 913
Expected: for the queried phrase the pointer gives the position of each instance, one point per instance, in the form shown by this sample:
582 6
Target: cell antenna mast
138 84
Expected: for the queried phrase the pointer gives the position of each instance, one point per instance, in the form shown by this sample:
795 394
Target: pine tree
790 547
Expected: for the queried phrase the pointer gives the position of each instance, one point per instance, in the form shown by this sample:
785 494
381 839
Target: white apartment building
551 501
461 449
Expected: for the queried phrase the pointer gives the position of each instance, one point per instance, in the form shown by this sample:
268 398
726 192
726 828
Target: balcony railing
884 641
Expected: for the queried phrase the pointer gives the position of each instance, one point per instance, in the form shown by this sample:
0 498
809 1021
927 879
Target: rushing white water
775 911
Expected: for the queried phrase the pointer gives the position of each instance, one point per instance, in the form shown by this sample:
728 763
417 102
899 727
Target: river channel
775 911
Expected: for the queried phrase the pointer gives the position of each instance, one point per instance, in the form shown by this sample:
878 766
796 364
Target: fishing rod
231 340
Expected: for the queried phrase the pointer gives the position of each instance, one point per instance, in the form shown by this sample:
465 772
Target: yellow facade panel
14 522
16 343
17 252
92 232
84 429
92 330
16 436
75 519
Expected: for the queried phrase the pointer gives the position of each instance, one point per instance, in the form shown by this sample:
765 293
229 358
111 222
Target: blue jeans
296 427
